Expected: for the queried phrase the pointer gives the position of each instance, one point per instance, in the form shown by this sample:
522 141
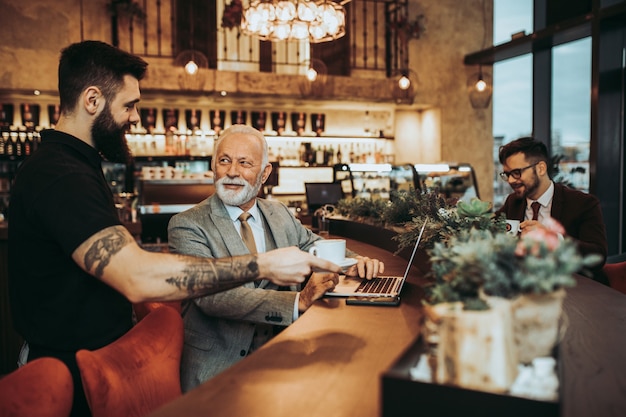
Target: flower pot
536 324
475 348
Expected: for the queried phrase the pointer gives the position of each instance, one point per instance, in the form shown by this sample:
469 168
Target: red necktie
535 206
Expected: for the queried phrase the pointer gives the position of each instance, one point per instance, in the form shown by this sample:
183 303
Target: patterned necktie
246 232
535 206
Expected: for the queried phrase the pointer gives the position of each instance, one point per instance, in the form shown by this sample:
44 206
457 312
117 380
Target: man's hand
289 266
528 225
366 268
315 288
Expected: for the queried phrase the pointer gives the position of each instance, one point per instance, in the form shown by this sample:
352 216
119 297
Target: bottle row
330 153
18 144
30 116
278 122
273 122
287 151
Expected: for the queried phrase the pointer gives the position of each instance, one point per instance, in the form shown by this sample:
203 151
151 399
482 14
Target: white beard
237 197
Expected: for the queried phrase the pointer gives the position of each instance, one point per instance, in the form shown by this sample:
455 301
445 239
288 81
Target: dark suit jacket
578 212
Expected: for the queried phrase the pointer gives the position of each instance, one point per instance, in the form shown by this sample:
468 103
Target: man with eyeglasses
536 197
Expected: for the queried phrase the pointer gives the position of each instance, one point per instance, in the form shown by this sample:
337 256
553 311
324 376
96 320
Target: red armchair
42 387
137 373
142 309
617 275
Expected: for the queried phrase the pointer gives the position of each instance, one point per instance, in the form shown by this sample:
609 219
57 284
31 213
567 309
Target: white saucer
347 263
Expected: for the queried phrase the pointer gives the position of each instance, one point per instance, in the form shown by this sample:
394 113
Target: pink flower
550 235
553 225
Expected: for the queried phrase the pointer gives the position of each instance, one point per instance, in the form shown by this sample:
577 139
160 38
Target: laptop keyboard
382 285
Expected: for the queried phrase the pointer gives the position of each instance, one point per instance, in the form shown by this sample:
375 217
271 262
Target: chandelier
294 20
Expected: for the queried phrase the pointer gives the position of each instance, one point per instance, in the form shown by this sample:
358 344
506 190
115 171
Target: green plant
503 265
446 220
404 205
362 209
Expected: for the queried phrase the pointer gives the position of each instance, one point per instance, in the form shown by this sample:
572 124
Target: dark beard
109 138
532 185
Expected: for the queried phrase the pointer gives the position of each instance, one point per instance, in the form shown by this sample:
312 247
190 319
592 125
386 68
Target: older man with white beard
222 329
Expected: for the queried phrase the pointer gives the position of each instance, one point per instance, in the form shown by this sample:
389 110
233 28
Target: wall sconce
404 86
479 89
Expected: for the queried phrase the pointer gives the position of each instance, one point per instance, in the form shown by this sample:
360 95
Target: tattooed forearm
101 251
206 276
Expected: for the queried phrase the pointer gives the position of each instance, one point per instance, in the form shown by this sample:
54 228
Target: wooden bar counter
329 362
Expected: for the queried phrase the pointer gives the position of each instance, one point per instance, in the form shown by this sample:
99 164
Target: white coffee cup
333 250
512 226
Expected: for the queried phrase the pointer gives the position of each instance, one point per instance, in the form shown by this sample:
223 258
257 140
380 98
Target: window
509 17
571 111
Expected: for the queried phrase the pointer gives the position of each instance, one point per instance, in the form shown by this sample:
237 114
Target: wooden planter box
402 396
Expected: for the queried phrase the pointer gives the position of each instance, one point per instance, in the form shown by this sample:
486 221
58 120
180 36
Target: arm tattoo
103 249
207 276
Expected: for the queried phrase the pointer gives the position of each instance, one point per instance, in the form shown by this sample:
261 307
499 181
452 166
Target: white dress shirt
256 224
546 205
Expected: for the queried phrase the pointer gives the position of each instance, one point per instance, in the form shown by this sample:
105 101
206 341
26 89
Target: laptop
382 286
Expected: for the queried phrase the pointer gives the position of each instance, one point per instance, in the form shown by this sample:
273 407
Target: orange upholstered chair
142 309
617 275
42 387
137 373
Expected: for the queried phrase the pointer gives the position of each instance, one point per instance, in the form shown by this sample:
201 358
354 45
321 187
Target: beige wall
441 123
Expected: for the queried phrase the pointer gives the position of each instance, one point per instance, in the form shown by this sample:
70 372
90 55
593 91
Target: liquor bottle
310 155
302 154
28 144
10 145
281 156
319 156
339 155
3 139
271 156
300 124
36 141
378 156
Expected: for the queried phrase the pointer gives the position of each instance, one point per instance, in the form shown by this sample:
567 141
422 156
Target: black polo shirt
59 199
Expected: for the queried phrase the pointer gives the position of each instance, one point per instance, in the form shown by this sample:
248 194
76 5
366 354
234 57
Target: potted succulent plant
524 277
446 220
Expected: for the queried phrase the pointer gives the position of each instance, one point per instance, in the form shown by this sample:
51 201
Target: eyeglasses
515 173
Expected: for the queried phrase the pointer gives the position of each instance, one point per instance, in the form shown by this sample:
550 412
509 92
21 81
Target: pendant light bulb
481 85
191 67
311 74
404 83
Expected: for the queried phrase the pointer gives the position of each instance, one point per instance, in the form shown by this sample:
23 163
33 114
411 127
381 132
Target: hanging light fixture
192 62
404 86
479 89
480 84
313 83
294 20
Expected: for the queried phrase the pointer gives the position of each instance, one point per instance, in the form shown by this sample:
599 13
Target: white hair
246 130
